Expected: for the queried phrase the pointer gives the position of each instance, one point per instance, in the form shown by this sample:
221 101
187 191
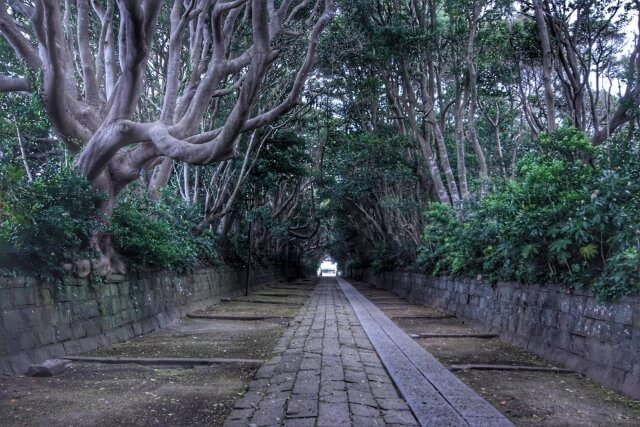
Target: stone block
577 344
115 278
78 330
12 281
551 301
45 297
127 316
161 320
302 408
549 317
105 306
102 291
600 352
23 297
631 384
624 357
18 319
120 334
113 289
463 299
147 326
125 303
46 334
560 338
635 315
86 310
583 327
64 313
505 291
578 304
124 288
333 415
595 310
5 299
92 326
75 281
623 314
19 362
106 323
565 303
27 340
117 320
66 293
63 332
566 321
5 367
81 346
610 332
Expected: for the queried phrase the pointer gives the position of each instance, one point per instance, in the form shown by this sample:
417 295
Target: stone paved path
435 395
327 373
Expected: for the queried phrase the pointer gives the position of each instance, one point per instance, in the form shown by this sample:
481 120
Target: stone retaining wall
569 328
39 321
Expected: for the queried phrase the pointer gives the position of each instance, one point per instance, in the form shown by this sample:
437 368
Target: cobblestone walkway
435 395
325 373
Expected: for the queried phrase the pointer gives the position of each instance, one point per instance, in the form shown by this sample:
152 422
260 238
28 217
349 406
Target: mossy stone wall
570 328
39 320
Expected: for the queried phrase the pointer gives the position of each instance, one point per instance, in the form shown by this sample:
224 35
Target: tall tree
92 58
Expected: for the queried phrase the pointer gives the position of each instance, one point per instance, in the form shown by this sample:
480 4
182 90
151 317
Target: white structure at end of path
328 267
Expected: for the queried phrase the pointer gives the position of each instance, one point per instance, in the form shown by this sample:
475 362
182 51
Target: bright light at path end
328 268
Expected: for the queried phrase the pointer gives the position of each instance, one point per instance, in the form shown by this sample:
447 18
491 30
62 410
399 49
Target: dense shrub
47 222
559 220
160 233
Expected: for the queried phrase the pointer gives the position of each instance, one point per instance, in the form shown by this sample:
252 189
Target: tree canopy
451 136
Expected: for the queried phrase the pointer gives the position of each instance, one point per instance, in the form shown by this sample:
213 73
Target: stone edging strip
277 302
434 394
445 335
255 363
230 317
482 367
423 317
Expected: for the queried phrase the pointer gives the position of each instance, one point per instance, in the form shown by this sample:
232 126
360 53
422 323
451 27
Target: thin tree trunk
547 65
460 145
473 100
23 155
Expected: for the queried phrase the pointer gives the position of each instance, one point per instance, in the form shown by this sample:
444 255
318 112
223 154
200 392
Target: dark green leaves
559 220
49 221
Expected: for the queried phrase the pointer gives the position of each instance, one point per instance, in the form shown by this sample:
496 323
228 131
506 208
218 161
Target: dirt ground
123 395
200 338
96 394
549 399
527 398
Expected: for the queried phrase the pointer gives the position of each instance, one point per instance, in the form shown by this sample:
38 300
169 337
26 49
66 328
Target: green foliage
283 157
369 171
558 220
46 222
160 233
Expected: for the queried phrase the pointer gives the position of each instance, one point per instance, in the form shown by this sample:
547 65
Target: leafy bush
46 222
160 233
559 220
